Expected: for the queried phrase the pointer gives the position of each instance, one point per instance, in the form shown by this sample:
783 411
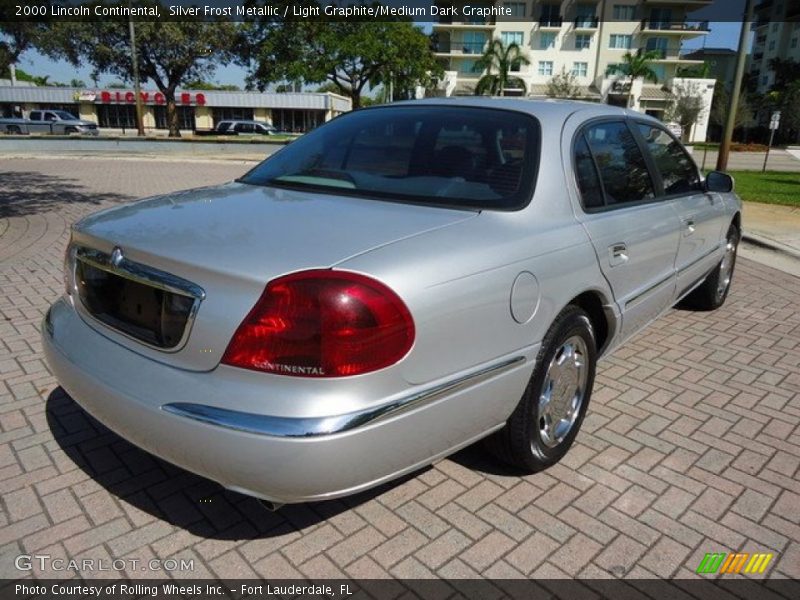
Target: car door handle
689 227
618 254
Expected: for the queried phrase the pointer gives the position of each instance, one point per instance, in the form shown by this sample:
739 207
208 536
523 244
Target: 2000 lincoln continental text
399 283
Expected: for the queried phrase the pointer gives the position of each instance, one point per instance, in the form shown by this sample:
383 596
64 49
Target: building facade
777 35
583 37
114 110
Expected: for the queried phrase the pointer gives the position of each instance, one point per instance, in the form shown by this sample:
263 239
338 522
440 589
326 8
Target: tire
70 130
712 293
13 130
531 440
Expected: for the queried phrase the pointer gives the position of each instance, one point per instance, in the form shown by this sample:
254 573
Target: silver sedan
397 284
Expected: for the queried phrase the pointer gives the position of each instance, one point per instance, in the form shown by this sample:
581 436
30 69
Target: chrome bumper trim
318 426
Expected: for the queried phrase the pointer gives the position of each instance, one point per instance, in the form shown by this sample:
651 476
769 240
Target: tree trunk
355 97
172 114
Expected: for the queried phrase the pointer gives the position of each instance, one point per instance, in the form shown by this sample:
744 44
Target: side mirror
717 181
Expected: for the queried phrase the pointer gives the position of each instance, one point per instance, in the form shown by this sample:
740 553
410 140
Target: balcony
459 48
586 23
758 56
448 23
551 22
668 27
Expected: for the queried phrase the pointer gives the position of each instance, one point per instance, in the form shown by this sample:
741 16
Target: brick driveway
691 444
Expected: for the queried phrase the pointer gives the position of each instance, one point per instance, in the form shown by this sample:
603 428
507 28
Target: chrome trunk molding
117 264
319 426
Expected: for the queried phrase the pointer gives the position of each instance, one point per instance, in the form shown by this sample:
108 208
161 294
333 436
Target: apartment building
777 35
584 37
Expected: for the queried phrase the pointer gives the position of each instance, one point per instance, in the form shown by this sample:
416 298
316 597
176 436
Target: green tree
789 105
564 85
351 55
686 107
201 84
15 39
499 61
169 53
636 66
721 104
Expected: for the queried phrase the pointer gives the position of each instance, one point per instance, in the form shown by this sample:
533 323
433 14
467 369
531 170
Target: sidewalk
774 226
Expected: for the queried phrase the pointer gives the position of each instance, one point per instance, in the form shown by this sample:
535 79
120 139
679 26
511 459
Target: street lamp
137 90
741 59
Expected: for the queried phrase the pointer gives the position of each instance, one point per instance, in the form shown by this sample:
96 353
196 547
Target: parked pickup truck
55 122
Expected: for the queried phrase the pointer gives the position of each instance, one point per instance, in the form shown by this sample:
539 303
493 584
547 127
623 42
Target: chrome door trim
650 289
304 427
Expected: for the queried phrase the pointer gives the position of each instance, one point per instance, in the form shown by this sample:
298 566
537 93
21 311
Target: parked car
245 128
56 122
395 285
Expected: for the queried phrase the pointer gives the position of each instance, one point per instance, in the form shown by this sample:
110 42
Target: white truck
54 122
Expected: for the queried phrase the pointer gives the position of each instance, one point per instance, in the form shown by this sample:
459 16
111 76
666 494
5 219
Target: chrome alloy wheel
563 392
726 266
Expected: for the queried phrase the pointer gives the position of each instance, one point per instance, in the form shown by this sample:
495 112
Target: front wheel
549 415
711 294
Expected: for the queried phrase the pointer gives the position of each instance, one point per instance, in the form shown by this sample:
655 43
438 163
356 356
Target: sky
723 35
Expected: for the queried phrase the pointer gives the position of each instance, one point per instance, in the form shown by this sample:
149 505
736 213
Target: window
232 114
586 175
794 43
517 8
185 117
623 170
512 37
583 40
468 67
547 40
774 27
659 45
677 170
468 157
116 115
473 42
772 45
622 42
545 67
623 12
580 69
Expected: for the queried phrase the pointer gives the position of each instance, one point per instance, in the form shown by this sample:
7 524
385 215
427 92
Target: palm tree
502 59
636 66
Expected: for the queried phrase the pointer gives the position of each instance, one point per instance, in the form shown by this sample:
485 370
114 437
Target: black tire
70 130
13 130
521 442
712 293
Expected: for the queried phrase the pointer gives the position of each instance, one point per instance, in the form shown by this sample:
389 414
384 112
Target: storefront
114 110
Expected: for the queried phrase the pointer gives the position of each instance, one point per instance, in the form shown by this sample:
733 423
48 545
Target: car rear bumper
176 415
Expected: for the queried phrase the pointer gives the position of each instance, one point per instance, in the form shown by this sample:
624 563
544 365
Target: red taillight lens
323 323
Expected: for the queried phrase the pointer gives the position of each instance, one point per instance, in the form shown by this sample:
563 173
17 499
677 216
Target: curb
764 242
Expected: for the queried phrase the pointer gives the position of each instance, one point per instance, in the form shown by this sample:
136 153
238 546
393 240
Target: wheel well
592 303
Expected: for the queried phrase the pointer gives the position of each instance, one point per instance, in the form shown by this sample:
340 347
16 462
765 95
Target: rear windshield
440 155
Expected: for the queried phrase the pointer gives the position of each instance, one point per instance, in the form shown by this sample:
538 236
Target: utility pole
741 59
137 89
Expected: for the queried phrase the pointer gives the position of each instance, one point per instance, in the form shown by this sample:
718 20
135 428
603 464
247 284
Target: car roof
545 110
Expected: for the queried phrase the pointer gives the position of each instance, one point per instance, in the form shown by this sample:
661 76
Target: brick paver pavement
691 444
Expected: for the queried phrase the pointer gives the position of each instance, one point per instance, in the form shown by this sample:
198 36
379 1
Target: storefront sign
128 97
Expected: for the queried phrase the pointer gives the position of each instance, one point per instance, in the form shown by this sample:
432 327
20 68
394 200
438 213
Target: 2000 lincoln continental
391 287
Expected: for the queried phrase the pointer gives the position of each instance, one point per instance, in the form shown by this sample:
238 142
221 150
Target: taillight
323 323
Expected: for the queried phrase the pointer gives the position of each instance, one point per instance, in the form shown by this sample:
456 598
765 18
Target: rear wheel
711 294
549 415
70 130
13 129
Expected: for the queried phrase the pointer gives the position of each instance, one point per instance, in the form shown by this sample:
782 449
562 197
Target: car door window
36 116
244 128
50 116
586 175
622 166
678 171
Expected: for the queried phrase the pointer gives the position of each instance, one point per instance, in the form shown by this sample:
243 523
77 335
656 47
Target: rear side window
677 170
622 166
586 174
439 155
